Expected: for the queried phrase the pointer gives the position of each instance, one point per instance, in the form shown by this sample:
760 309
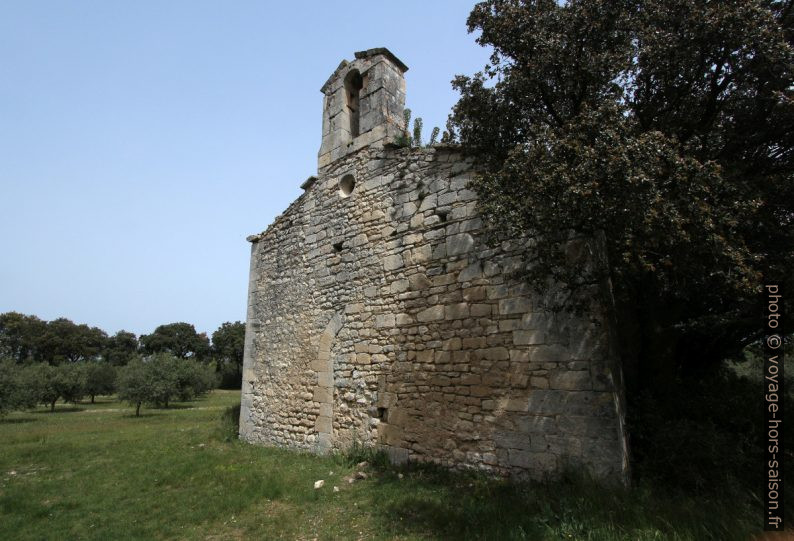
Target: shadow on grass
59 409
98 401
5 421
175 407
143 415
443 505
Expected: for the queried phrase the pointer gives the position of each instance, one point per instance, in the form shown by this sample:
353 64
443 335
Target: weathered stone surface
431 314
572 381
529 338
478 310
456 311
378 314
325 379
532 461
515 305
321 395
384 320
393 262
459 244
472 272
323 424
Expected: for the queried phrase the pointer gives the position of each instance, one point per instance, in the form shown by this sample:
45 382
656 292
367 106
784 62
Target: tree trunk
52 405
92 399
138 409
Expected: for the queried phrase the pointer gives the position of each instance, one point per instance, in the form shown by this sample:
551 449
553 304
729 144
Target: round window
346 185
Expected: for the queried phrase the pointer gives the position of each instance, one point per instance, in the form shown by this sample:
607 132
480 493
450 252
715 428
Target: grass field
98 472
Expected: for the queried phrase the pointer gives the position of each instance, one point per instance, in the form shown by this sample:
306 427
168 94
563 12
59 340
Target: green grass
98 472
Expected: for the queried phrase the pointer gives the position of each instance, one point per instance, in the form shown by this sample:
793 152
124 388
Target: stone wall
382 317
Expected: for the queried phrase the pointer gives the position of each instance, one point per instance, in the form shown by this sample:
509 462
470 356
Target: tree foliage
228 344
65 341
100 379
120 348
180 339
50 383
163 378
71 381
666 129
62 360
134 385
28 338
16 393
19 335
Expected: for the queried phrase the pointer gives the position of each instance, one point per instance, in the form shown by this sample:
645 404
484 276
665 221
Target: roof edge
385 52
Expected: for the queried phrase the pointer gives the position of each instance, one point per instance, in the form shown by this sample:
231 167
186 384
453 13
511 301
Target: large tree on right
662 127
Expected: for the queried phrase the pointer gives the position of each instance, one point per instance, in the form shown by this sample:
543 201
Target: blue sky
141 142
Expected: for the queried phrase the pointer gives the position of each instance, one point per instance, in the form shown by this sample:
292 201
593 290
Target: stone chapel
378 315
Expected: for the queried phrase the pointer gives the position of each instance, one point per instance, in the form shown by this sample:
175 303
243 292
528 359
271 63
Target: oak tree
228 344
663 127
180 339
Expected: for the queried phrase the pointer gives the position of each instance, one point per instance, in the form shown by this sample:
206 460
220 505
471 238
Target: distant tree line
42 362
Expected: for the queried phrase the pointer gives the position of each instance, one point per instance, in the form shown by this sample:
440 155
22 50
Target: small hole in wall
346 185
337 247
383 414
442 215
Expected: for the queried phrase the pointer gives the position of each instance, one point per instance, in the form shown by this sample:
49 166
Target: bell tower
363 104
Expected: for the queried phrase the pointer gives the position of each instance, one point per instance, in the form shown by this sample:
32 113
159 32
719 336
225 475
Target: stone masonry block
393 262
459 244
534 462
323 395
456 311
325 379
323 424
572 381
515 305
529 338
433 313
